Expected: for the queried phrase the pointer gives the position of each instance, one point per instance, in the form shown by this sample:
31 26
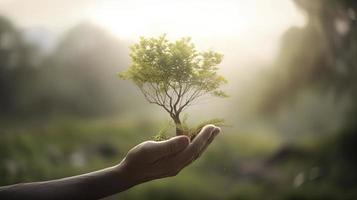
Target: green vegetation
67 113
174 75
63 148
164 132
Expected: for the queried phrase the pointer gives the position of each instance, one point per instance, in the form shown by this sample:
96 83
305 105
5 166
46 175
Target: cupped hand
153 160
147 161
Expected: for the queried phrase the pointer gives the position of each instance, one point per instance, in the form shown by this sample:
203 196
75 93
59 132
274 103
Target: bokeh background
290 121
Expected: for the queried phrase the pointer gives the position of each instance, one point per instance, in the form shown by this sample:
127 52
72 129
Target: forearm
93 185
147 161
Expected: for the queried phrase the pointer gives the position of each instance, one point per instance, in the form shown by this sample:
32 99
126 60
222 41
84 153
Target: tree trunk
178 125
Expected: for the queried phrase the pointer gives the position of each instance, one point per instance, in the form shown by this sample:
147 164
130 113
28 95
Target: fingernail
210 127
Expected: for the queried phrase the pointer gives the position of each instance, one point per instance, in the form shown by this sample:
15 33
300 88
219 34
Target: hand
147 161
153 160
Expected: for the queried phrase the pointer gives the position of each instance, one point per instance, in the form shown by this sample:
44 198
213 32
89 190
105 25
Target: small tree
174 75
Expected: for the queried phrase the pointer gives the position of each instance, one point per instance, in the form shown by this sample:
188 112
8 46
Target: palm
151 160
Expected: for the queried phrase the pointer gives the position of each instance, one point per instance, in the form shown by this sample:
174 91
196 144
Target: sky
247 32
249 28
132 18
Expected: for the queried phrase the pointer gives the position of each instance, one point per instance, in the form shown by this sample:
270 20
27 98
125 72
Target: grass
60 148
169 127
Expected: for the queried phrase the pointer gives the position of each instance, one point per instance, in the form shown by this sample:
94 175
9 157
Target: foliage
31 153
174 75
329 67
74 78
190 132
16 72
163 134
43 150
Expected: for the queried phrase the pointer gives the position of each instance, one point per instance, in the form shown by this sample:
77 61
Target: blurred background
290 131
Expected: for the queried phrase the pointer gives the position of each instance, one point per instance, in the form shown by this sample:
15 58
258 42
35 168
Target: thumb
170 147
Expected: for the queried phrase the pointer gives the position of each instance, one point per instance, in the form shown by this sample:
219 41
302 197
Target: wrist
124 176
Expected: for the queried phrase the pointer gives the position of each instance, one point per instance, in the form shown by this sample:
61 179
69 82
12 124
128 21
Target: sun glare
246 32
196 18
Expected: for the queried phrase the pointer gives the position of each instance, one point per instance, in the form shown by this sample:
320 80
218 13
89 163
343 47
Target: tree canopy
330 66
174 75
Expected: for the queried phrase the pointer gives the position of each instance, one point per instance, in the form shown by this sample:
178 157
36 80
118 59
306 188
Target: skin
147 161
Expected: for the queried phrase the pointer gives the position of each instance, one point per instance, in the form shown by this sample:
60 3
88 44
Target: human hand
147 161
153 160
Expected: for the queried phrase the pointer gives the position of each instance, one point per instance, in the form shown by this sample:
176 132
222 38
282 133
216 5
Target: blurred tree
16 69
77 78
174 75
6 53
321 55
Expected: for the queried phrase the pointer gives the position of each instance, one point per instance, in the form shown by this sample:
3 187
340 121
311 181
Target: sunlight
198 19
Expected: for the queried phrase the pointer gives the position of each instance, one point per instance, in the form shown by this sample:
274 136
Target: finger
191 152
201 139
209 141
169 147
